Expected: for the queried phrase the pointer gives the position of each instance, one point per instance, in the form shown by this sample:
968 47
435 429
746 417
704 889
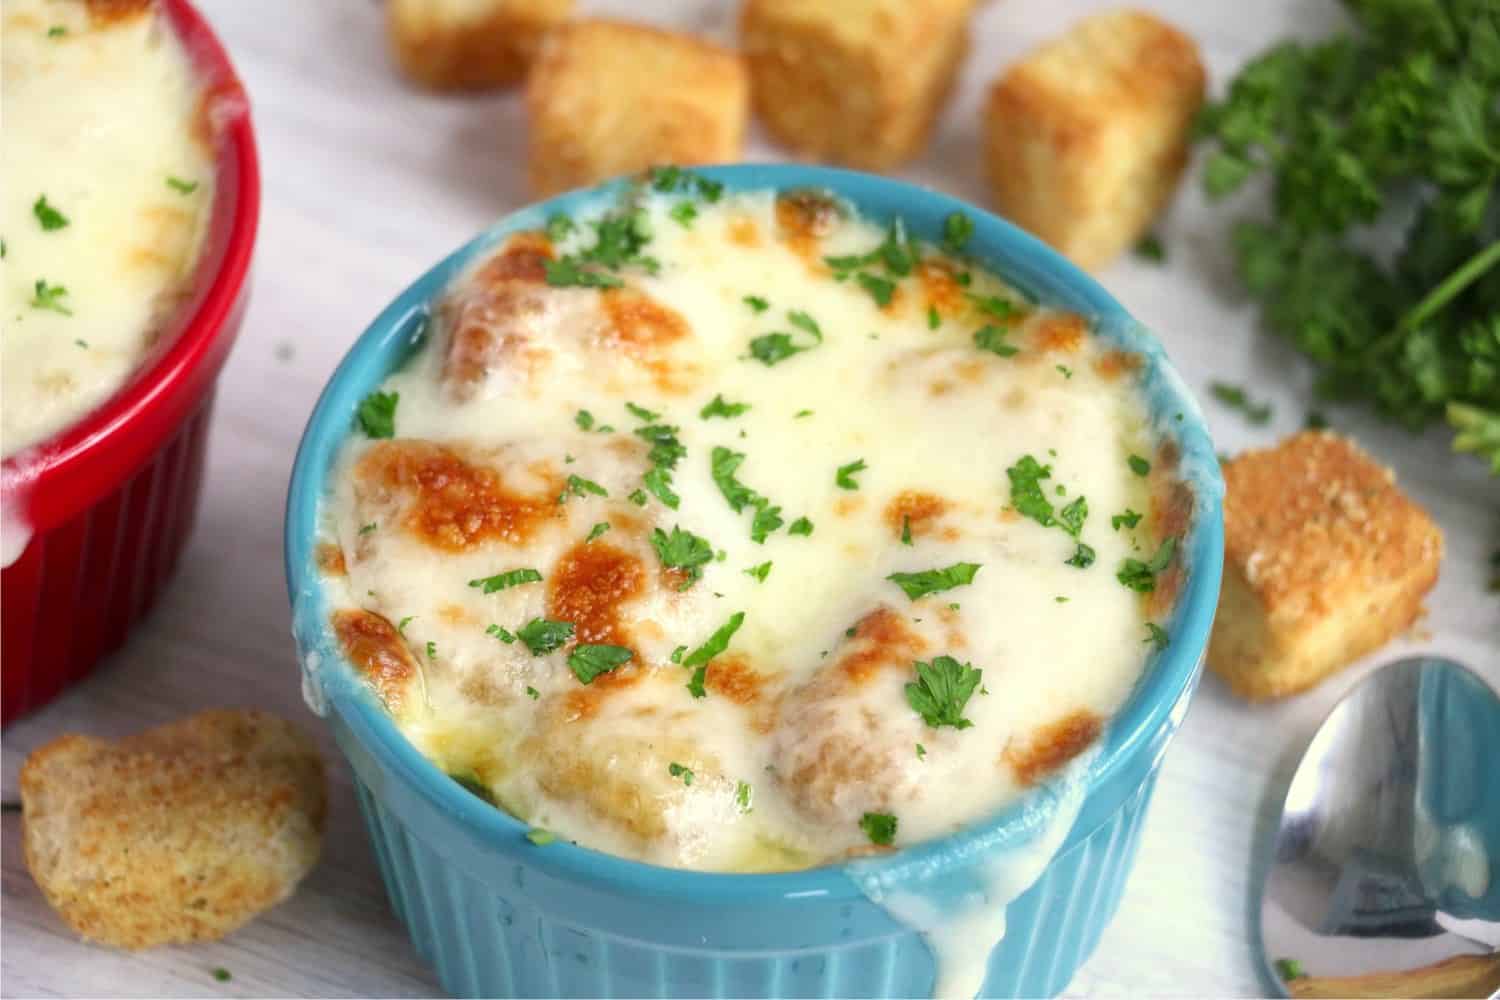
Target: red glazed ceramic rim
52 481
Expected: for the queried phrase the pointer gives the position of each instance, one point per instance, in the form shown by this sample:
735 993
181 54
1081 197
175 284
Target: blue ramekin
499 916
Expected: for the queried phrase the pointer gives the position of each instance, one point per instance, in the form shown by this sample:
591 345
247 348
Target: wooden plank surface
367 182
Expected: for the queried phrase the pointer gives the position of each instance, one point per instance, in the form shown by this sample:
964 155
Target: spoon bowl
1385 875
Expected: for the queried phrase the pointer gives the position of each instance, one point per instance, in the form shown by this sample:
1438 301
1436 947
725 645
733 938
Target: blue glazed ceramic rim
1154 706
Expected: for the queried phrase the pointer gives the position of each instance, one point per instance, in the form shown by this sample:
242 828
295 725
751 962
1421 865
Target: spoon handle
1460 976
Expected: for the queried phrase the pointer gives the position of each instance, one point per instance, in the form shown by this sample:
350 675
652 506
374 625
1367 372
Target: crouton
181 833
1325 560
858 82
470 44
608 98
1086 138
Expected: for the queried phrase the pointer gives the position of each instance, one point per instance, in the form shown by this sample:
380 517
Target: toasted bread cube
858 82
607 98
470 44
181 833
1325 559
1086 138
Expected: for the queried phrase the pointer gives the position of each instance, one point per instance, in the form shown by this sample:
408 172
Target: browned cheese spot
803 218
377 651
915 509
1062 332
330 559
588 587
1113 364
1052 746
452 504
881 640
732 676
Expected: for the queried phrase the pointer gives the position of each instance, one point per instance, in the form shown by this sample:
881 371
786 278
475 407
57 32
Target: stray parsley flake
682 550
696 684
542 635
181 186
716 643
803 321
756 303
431 650
934 319
992 338
1150 247
921 751
684 212
1289 969
638 497
49 217
540 837
1141 576
568 273
957 229
1082 557
401 625
532 693
505 635
597 530
584 419
471 783
559 227
742 794
718 407
1156 635
676 770
905 529
641 413
879 827
879 288
50 297
1139 465
932 581
1127 520
510 578
377 414
844 478
942 689
759 572
578 486
1235 398
221 974
801 526
365 529
659 481
56 31
588 661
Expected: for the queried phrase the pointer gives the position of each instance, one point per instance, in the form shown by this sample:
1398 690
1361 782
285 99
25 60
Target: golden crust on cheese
1086 137
1325 559
607 98
470 44
859 83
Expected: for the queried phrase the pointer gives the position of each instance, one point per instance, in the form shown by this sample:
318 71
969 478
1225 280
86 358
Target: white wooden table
367 182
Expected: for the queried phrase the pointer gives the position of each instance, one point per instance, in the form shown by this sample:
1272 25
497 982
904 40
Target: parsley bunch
1395 124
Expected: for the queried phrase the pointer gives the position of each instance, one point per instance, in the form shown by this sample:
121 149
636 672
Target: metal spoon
1385 874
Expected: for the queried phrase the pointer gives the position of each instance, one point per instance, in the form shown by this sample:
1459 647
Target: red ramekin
111 500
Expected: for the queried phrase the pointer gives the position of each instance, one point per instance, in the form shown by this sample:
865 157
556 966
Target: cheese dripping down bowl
97 505
1010 904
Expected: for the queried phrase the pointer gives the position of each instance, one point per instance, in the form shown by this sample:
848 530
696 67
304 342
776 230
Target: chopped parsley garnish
542 635
1127 520
802 413
584 419
588 661
682 550
1141 576
401 625
905 529
994 305
934 319
1071 517
773 348
181 186
676 770
559 227
767 519
1235 398
1139 465
696 684
597 530
221 974
717 643
676 656
933 581
49 217
1316 421
957 228
666 450
58 31
742 794
759 572
879 827
1065 370
1082 557
659 481
1156 635
879 288
532 693
1289 969
641 413
431 650
1150 247
50 297
471 784
801 526
510 578
803 321
637 497
540 837
502 633
377 414
991 338
565 272
921 751
670 180
1026 494
365 529
723 463
578 486
720 408
844 478
684 212
756 303
941 690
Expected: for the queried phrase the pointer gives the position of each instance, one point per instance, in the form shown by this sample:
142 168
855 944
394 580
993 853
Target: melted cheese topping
516 447
100 110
